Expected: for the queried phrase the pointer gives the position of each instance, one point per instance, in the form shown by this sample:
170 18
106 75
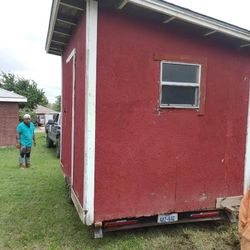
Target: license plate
167 218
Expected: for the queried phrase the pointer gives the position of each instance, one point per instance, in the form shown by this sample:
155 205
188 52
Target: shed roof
66 13
44 110
8 96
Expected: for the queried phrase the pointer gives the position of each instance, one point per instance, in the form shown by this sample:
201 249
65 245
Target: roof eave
53 15
16 100
168 9
192 17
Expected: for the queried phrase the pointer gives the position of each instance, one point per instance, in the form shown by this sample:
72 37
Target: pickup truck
53 134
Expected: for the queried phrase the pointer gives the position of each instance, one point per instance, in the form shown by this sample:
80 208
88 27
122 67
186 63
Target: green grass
35 214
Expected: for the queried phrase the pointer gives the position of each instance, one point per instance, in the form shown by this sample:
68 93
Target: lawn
35 213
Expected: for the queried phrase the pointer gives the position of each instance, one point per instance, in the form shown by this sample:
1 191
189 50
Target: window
180 85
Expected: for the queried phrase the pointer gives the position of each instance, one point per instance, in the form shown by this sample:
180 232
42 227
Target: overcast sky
24 24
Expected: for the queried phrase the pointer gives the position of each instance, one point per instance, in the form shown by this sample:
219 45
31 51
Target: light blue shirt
26 133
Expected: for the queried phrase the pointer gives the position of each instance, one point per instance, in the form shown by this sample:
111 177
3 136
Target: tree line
28 88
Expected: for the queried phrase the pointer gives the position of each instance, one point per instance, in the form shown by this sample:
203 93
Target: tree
24 87
58 103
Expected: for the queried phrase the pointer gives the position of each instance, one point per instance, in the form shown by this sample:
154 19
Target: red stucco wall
8 122
149 162
78 42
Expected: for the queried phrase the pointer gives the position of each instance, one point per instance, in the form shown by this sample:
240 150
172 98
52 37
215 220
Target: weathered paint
77 42
150 161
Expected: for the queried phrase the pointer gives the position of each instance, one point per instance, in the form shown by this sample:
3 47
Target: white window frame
181 84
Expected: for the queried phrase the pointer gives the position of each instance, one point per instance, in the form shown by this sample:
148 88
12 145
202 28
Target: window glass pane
180 73
172 95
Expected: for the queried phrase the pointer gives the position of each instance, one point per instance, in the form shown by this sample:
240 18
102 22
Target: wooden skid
231 205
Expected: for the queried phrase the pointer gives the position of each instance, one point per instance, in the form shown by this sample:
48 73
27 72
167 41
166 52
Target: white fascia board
90 110
54 11
247 153
18 100
193 17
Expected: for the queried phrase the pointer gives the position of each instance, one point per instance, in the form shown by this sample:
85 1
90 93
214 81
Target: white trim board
73 52
61 134
72 56
247 154
18 100
90 110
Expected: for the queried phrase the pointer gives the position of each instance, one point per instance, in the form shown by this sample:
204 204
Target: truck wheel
58 149
49 143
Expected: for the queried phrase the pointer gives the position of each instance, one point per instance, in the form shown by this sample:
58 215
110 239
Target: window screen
180 73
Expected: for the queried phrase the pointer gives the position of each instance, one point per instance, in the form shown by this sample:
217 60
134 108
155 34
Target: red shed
155 111
9 116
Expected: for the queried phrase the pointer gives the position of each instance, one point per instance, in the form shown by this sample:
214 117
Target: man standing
24 140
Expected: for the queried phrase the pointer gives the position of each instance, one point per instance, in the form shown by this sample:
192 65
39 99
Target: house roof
66 13
44 110
8 96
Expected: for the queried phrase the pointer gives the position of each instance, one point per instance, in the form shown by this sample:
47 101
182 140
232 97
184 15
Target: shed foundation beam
229 203
98 232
